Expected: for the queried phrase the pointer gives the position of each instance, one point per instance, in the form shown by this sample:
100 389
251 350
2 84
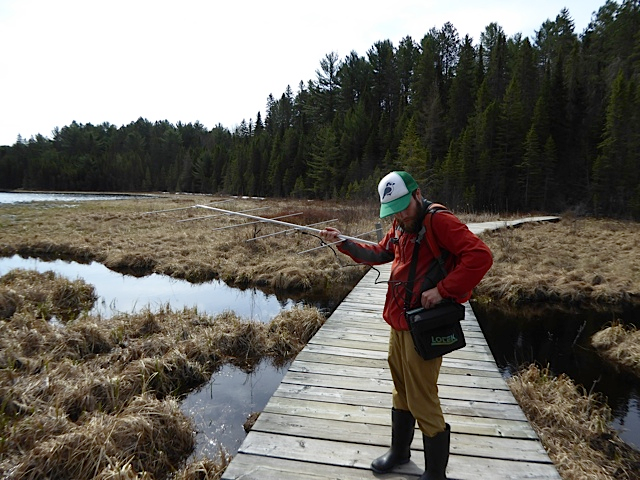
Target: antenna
182 208
288 230
221 215
253 223
286 224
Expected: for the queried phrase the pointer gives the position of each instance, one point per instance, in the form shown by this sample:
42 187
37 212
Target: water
13 197
124 293
561 342
221 407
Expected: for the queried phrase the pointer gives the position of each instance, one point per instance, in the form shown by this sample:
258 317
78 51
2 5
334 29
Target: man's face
409 218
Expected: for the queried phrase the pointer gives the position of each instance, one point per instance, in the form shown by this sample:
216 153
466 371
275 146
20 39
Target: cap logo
388 190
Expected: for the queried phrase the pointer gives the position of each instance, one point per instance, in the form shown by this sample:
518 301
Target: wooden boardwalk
331 415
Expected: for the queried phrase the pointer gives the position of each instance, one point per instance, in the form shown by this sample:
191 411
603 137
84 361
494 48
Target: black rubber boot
402 428
436 455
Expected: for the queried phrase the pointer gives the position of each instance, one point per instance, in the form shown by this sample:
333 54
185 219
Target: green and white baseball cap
395 191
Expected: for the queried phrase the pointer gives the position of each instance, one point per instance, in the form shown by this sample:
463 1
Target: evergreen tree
612 191
463 90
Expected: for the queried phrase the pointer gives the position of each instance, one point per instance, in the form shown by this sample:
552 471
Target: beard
410 225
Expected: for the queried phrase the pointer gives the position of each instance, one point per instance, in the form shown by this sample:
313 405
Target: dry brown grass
97 398
573 426
205 468
620 345
123 237
47 294
574 263
147 435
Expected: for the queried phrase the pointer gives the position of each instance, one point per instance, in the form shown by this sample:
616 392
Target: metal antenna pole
216 216
253 223
286 224
183 208
288 230
329 244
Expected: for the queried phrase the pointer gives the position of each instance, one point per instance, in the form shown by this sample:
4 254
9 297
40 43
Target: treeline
506 124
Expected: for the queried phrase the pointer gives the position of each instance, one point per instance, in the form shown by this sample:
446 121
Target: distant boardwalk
331 416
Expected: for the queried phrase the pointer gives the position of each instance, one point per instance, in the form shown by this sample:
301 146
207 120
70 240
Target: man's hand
430 298
330 235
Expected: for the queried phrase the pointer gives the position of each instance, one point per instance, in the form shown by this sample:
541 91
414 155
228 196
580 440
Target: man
415 393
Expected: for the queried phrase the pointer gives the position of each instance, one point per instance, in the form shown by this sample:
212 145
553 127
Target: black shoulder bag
435 331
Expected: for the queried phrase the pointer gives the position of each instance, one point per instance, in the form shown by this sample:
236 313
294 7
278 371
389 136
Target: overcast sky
206 60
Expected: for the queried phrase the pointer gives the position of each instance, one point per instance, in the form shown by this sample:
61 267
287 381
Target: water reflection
124 293
561 342
221 407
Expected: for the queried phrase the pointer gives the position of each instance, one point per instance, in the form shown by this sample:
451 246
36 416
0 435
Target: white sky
115 61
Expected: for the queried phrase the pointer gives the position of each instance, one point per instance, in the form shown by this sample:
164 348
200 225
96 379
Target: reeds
620 345
147 435
576 263
48 294
97 398
573 425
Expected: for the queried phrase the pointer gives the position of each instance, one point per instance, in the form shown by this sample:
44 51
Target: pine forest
548 123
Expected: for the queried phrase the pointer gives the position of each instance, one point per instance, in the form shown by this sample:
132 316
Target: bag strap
433 245
431 210
412 274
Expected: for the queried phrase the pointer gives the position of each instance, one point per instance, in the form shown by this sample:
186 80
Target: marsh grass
576 263
97 398
123 236
620 345
574 427
47 294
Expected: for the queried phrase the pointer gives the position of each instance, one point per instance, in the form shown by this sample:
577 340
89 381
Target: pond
561 342
23 197
220 407
125 293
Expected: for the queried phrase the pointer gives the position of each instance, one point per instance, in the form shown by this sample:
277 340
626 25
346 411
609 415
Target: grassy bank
620 345
97 397
574 427
576 263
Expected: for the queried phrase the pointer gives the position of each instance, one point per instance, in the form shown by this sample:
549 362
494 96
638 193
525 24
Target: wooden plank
475 418
248 467
369 434
474 343
448 360
352 455
351 390
332 359
471 352
380 373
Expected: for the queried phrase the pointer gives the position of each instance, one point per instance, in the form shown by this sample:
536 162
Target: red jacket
470 259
